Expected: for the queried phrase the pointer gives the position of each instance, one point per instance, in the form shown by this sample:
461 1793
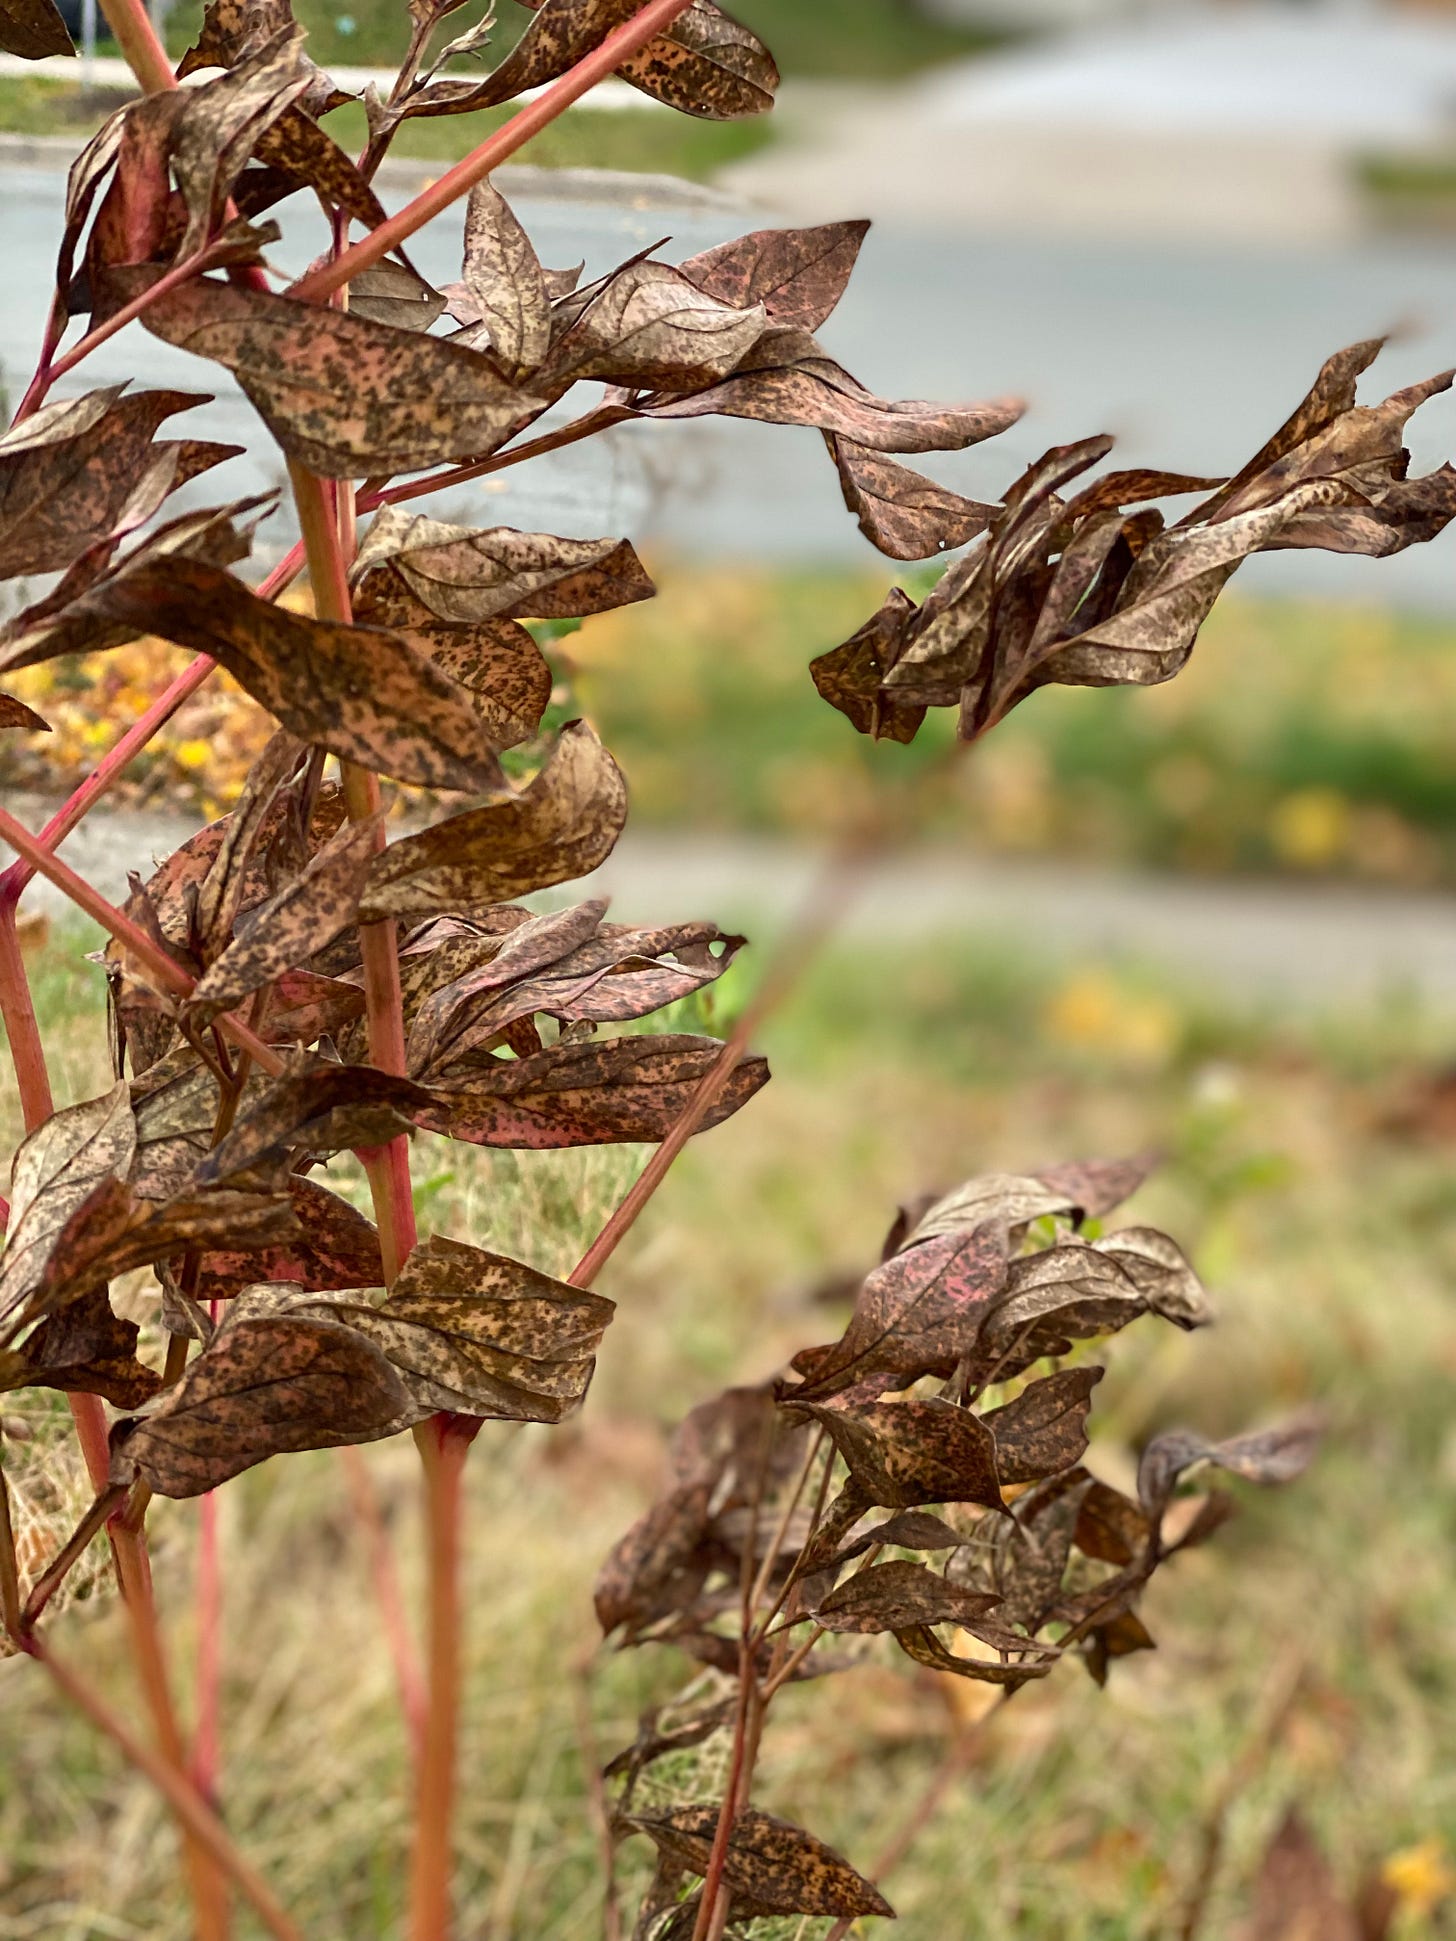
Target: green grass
1330 1247
647 141
838 39
1301 738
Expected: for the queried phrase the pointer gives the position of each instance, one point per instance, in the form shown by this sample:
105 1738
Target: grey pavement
1311 946
1190 355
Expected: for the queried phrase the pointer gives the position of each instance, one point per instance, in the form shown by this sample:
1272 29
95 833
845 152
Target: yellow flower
1311 827
193 754
1421 1876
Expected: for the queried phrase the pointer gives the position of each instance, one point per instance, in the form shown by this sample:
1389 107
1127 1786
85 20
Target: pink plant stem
206 1737
391 1601
628 39
46 376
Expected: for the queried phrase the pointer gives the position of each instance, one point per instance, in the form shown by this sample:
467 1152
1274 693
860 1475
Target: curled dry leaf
260 1388
622 1090
15 714
777 1867
502 291
651 328
562 825
362 692
903 513
1268 1456
68 473
54 1173
706 64
33 29
905 1454
346 397
895 1596
1044 1430
1083 1190
465 576
797 276
307 913
334 1247
86 1346
392 293
321 1107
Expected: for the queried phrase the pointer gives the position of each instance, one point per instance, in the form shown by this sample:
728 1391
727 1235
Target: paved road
1192 356
1311 946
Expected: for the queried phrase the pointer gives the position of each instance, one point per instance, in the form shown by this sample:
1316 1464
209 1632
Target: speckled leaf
478 1334
114 1230
392 293
920 1643
903 513
797 275
221 890
706 64
283 932
320 1106
215 127
261 1388
1269 1456
233 29
68 473
563 825
505 673
346 397
503 282
797 386
1082 1190
780 1868
851 678
650 328
893 1596
1044 1430
622 1089
336 1247
90 608
915 1315
55 1171
296 144
15 714
658 1567
33 29
904 1454
361 692
465 575
85 1347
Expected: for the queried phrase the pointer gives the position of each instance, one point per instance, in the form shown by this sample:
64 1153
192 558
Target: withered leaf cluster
921 1478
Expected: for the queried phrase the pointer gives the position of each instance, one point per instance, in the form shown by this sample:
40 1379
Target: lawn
1329 1242
1302 739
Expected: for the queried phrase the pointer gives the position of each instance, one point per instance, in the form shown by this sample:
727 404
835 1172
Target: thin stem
628 39
70 1553
734 1788
587 426
137 38
9 1563
206 1733
391 1602
814 923
180 273
161 968
196 1817
444 1445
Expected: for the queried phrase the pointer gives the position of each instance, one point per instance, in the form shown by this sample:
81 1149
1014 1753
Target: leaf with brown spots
1044 1430
787 380
905 1454
621 1090
295 145
894 1596
308 912
361 692
114 1230
465 575
321 1107
778 1868
796 275
345 397
54 1173
335 1247
1083 1190
919 1642
394 294
651 328
233 29
1267 1457
85 1347
502 293
852 677
659 1566
89 610
260 1388
33 29
69 472
210 131
706 64
15 714
917 1314
562 825
903 513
